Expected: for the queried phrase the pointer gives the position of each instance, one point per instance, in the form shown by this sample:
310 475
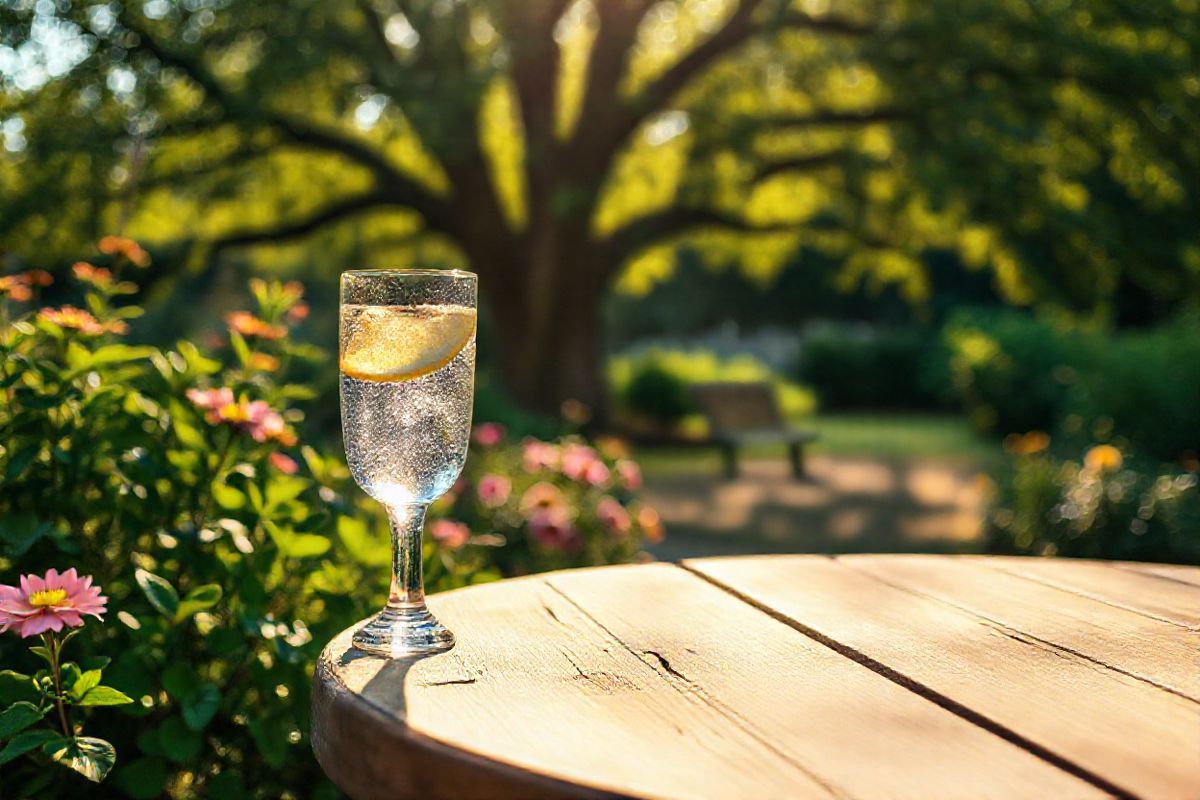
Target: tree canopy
559 147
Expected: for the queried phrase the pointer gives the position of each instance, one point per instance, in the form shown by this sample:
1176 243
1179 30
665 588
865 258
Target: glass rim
416 272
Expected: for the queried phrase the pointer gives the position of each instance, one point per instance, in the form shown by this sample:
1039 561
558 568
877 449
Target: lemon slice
399 343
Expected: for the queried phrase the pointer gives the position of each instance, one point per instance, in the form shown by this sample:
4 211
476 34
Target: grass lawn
889 436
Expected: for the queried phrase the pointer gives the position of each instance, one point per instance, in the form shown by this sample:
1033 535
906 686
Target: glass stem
408 590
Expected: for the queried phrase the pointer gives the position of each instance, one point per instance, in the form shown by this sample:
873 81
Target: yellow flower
1103 458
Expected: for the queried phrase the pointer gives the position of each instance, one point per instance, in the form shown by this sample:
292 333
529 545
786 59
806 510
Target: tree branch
736 30
800 164
828 23
675 221
336 210
401 188
831 118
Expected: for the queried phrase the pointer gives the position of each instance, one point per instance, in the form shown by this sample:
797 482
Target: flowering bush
1103 506
230 548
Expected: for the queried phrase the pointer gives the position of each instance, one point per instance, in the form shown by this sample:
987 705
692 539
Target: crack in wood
450 682
697 692
550 611
665 664
953 706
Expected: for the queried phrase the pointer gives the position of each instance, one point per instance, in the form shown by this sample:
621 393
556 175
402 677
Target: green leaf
85 683
25 741
196 361
282 489
366 549
161 594
296 545
90 757
187 435
42 653
240 348
20 460
201 706
119 353
18 717
22 530
198 599
179 679
179 743
15 687
104 696
143 778
228 497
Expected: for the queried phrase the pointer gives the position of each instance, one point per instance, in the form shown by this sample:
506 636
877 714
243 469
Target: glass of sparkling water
407 362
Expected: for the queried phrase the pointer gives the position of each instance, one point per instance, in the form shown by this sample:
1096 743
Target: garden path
847 504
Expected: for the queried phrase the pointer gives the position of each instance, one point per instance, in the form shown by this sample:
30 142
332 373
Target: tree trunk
552 348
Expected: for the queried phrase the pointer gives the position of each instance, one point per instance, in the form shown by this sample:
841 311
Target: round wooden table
785 676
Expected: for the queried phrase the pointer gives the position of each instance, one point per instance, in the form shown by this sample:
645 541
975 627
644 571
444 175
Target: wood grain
1168 600
1174 572
1149 649
535 684
853 730
917 626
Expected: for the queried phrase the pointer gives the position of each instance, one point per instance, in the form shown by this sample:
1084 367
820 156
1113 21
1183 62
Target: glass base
402 633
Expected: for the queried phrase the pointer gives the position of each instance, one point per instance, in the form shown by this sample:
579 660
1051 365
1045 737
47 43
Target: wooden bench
932 677
743 414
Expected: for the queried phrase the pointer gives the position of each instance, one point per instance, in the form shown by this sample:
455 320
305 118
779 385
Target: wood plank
1141 740
856 731
535 684
1158 652
1173 572
1170 601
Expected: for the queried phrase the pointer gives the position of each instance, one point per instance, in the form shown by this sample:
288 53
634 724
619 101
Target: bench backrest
732 407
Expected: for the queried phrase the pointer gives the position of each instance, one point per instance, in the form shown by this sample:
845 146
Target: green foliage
1046 505
859 368
1016 373
230 549
110 466
656 384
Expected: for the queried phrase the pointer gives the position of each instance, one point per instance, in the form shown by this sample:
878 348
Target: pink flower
552 528
494 490
256 418
488 434
49 603
597 474
542 496
284 463
614 516
537 455
211 399
576 459
449 533
630 474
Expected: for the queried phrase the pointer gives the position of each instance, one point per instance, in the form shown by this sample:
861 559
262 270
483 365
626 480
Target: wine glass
407 363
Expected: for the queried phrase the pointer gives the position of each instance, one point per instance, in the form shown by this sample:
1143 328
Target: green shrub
1103 506
231 549
657 383
1013 372
853 368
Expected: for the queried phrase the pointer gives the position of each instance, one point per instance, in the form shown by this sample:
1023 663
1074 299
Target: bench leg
796 451
729 455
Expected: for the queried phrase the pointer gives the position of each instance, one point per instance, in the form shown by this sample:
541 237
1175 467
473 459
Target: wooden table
786 677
